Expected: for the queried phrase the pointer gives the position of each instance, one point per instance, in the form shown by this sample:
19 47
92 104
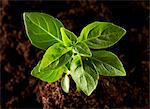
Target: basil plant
83 57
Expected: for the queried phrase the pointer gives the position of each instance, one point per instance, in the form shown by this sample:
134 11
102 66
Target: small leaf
42 29
98 35
107 64
65 84
53 65
64 59
68 37
47 75
52 54
85 77
83 49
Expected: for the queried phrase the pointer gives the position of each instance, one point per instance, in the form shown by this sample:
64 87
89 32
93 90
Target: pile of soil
18 57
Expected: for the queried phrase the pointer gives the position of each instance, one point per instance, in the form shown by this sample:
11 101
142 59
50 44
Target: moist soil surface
18 57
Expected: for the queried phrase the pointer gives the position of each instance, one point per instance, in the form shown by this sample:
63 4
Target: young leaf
47 75
52 54
68 37
43 30
98 35
83 49
85 77
107 64
65 84
64 59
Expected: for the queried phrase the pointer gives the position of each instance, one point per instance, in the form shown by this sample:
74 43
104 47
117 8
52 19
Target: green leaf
107 64
64 59
47 75
65 84
42 29
85 77
83 49
68 37
52 54
98 35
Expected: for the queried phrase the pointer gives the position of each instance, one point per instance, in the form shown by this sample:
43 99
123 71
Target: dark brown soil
17 56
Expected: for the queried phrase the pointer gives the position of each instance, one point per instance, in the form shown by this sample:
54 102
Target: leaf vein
45 30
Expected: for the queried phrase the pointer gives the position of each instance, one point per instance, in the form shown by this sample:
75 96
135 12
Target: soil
17 56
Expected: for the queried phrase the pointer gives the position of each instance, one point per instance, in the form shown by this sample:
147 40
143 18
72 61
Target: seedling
72 55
